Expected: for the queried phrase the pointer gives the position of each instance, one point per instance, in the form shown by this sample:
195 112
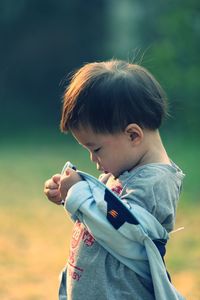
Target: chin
115 174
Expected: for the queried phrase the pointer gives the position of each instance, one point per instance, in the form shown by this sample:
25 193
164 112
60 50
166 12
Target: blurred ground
34 247
35 233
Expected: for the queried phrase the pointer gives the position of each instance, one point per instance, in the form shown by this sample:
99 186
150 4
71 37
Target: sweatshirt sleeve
93 202
158 193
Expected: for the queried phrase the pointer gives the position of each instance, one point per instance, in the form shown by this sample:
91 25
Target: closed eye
96 150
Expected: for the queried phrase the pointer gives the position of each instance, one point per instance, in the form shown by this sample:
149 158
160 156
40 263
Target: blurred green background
41 42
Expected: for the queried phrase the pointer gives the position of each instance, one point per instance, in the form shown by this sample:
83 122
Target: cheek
109 160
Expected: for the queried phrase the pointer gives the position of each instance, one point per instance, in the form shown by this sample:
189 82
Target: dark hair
107 96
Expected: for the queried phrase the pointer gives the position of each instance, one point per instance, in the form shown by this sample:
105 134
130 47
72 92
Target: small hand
67 180
52 189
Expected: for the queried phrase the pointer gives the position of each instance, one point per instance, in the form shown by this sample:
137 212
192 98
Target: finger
53 193
50 184
56 178
68 171
54 196
55 200
65 174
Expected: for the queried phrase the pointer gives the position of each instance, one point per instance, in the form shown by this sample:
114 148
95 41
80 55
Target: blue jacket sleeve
113 224
90 207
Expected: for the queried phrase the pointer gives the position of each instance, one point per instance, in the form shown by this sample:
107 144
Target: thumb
56 178
68 171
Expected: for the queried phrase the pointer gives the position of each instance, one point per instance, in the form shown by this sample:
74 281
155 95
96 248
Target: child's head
110 107
107 96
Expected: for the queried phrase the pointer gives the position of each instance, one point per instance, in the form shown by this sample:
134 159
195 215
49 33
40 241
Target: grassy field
35 233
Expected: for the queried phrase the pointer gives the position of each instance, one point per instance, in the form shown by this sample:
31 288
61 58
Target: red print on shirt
76 234
88 238
117 189
79 234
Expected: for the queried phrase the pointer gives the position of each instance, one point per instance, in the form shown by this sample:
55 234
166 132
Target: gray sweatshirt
93 272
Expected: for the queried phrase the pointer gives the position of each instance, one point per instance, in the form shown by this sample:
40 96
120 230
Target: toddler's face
112 153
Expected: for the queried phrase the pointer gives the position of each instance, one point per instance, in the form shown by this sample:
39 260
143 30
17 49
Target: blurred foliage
171 29
42 41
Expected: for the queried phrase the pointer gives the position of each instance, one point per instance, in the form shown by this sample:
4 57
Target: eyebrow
90 144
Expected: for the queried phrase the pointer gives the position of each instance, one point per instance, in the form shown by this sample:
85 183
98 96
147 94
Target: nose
93 157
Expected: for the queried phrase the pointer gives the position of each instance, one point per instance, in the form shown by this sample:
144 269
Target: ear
134 133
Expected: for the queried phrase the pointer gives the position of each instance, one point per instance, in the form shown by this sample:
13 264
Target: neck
153 150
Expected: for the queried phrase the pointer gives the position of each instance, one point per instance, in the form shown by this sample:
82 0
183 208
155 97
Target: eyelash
96 150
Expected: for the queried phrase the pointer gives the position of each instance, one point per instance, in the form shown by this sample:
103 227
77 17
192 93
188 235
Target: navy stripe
117 212
161 246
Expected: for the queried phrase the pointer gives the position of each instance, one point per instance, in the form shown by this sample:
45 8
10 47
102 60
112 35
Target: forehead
89 138
86 136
